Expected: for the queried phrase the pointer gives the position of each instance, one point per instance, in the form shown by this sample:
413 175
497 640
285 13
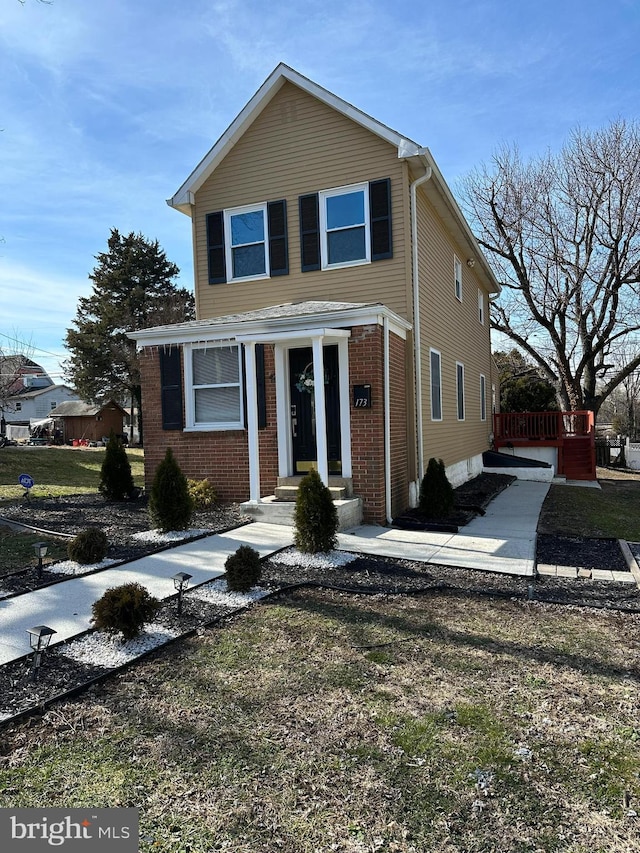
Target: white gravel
101 649
70 567
329 560
170 536
216 593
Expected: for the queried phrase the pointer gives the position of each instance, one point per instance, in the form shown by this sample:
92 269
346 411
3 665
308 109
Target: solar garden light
39 638
41 549
181 582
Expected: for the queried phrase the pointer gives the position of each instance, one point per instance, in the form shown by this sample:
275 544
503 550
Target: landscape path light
39 638
41 549
181 582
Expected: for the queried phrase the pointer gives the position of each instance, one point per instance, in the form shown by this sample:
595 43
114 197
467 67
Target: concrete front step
271 511
290 493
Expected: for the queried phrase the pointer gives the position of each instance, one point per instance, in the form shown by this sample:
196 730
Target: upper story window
457 275
246 249
245 243
344 226
18 407
480 306
53 404
213 381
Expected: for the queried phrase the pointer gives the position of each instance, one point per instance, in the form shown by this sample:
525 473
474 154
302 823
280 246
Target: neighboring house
30 405
17 374
88 421
326 245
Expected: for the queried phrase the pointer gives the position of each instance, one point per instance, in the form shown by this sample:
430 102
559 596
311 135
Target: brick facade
222 457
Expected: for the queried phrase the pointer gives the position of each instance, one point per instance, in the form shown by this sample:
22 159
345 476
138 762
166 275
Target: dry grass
611 511
329 722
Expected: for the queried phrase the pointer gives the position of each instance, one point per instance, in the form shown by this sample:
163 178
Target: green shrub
202 494
124 610
436 492
116 480
170 505
89 546
243 569
315 516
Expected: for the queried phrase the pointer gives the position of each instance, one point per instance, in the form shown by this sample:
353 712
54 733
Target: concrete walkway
503 540
66 606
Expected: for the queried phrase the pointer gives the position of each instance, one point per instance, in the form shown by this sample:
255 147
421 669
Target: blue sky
106 106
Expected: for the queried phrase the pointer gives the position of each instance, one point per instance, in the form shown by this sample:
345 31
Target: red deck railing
524 427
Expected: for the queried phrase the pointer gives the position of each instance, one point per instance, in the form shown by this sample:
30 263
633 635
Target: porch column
321 414
252 421
345 407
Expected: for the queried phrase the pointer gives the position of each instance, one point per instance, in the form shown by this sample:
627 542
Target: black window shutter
380 213
278 249
171 388
215 248
261 388
309 232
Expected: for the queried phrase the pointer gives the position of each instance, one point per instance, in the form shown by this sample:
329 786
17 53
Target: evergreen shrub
315 516
436 492
243 569
116 480
202 494
124 610
170 504
89 546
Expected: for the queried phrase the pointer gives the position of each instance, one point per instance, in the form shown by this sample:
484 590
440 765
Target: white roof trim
270 328
183 198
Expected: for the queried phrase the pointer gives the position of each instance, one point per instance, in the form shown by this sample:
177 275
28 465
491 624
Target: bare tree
563 236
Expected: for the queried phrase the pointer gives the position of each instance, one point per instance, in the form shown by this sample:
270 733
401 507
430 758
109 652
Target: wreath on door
306 381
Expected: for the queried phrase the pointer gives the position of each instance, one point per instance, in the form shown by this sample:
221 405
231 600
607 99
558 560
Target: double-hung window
457 276
344 226
460 390
213 380
436 385
483 398
480 307
246 237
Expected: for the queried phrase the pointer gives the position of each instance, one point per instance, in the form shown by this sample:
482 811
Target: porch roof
274 320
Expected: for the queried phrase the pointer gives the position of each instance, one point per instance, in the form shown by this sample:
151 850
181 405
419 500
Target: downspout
417 346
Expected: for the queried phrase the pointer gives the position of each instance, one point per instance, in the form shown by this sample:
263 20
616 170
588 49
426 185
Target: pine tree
315 516
436 492
133 288
170 504
116 480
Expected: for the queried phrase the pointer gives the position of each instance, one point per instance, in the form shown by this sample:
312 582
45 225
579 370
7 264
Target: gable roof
78 409
419 158
29 393
183 198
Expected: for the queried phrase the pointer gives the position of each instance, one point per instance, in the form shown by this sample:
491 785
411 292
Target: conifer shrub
124 610
202 494
116 480
243 569
436 492
315 516
89 546
170 504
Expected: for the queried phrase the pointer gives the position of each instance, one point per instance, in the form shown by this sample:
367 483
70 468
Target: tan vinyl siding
453 328
299 145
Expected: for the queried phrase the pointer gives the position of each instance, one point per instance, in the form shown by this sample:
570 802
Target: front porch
566 439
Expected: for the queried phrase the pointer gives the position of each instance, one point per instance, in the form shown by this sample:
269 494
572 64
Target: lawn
328 722
58 470
611 511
